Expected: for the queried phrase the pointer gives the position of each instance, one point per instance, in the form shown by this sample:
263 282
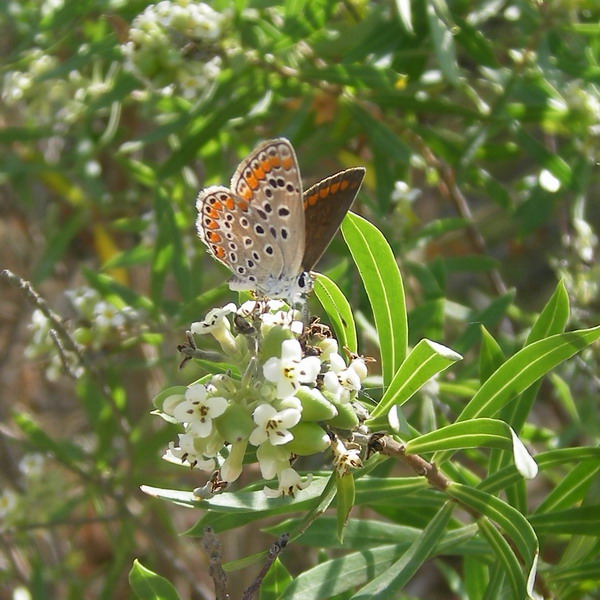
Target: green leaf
345 502
579 520
405 14
490 355
512 521
169 254
554 316
443 42
524 368
425 360
277 579
147 585
474 433
507 558
547 159
338 310
391 582
383 283
572 488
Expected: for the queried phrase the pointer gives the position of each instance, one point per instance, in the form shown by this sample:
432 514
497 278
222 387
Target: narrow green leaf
547 159
425 360
467 434
383 283
443 43
579 520
554 316
524 368
275 582
507 558
389 583
572 488
490 355
512 521
345 501
147 585
405 14
338 310
169 254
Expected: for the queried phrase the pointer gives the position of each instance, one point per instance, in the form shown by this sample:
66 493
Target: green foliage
478 126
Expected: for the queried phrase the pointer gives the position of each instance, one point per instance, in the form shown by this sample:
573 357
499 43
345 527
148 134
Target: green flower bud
271 345
346 417
84 336
315 407
309 438
235 424
168 396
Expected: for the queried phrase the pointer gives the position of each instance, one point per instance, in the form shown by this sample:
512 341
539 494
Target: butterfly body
265 229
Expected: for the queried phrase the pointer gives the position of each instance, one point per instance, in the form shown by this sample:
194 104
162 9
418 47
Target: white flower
291 370
32 465
198 410
188 454
328 347
216 322
289 481
272 460
232 466
108 315
345 458
273 425
8 501
341 380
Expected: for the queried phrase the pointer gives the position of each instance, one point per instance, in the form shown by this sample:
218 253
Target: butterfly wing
237 237
325 205
269 181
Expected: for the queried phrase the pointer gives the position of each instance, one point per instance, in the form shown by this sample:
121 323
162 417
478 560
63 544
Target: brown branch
274 551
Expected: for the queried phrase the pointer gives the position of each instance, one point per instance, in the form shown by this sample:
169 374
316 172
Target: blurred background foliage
478 123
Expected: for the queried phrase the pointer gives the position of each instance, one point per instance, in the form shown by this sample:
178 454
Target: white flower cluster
99 324
173 47
290 384
54 101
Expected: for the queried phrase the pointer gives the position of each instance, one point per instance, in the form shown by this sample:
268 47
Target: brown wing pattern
325 205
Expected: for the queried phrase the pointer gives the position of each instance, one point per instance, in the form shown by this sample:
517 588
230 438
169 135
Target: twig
212 547
274 551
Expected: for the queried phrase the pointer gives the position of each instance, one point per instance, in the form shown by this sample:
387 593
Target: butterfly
265 229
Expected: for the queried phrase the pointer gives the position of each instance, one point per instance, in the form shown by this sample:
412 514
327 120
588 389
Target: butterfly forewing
269 180
325 205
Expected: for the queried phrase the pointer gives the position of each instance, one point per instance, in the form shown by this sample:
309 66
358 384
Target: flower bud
235 424
309 438
346 417
315 407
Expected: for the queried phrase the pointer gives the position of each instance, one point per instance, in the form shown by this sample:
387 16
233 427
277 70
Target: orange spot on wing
344 184
230 203
265 165
217 205
246 194
243 206
312 199
324 192
213 236
258 173
219 252
274 162
287 163
212 224
252 181
335 187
